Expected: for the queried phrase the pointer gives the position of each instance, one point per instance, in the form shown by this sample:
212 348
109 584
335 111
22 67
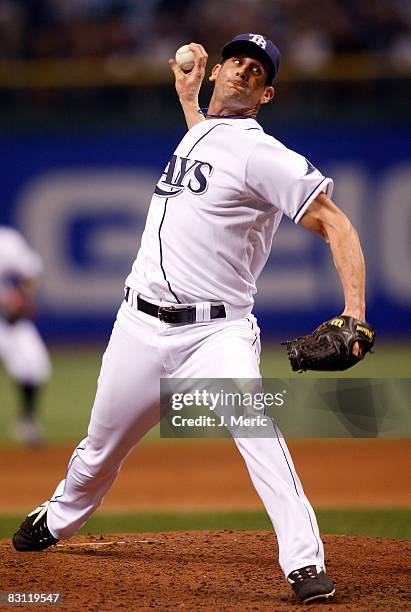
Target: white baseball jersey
215 210
17 259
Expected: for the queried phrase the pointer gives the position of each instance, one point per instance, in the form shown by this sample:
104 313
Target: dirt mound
203 570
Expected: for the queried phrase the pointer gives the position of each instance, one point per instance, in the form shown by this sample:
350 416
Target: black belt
174 314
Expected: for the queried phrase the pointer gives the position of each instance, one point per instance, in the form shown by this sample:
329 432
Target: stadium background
88 119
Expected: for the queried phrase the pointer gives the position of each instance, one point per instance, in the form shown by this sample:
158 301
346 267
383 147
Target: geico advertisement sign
88 225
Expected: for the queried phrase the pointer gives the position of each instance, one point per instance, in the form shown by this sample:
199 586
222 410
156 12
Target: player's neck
218 111
208 115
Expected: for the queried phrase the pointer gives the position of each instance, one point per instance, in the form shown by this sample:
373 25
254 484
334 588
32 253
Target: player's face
240 82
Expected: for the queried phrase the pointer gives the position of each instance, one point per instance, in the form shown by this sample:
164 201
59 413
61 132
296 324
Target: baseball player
187 311
21 348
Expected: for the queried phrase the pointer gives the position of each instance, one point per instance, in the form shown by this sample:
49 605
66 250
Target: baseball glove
16 305
329 347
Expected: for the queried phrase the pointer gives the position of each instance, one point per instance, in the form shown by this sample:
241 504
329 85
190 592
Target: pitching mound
214 570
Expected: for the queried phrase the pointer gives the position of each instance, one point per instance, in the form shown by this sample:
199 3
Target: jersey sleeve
20 258
283 178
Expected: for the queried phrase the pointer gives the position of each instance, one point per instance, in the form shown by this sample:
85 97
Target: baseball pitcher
187 311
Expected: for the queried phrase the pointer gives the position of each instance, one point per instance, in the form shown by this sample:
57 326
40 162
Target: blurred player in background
22 350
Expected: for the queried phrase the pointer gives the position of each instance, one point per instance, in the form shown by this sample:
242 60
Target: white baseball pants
141 351
23 352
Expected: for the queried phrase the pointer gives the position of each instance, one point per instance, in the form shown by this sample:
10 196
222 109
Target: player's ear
268 94
214 72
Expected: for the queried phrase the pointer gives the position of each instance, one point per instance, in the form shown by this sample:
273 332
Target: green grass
68 398
388 523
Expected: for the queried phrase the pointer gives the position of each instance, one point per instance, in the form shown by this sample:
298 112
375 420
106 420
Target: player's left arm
324 218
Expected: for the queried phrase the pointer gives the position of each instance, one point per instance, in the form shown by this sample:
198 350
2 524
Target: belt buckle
182 315
164 309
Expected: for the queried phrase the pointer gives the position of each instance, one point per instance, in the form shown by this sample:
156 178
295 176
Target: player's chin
239 97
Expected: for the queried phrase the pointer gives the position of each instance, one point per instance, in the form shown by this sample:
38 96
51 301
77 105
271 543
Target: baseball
185 58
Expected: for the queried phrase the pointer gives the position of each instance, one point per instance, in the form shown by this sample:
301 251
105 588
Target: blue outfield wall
81 200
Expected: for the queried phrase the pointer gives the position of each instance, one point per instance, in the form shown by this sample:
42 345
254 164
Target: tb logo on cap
258 40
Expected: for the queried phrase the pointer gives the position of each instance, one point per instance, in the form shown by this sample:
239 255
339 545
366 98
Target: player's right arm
188 84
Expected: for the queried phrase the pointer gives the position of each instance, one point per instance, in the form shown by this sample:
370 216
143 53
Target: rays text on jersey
182 173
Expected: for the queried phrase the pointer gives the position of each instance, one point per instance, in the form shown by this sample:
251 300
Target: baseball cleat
311 584
28 431
33 534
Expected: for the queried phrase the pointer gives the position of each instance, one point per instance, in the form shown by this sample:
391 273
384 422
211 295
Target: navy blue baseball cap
257 46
